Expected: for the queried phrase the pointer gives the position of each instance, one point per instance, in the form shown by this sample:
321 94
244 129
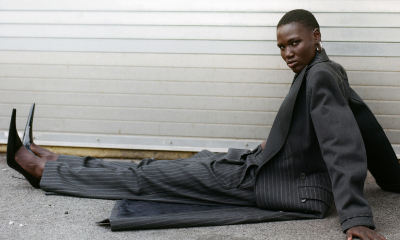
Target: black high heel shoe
13 144
27 139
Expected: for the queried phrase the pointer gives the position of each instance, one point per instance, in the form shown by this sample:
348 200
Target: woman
317 148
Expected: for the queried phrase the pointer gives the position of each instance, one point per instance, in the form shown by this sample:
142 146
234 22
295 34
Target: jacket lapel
280 127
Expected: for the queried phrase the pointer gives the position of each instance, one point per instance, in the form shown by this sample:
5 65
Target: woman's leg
194 182
43 152
91 162
32 164
76 161
203 180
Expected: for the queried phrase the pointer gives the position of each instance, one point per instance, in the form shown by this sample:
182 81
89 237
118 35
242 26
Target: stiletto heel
13 144
27 139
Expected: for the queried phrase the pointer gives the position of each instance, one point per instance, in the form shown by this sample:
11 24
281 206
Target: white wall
179 74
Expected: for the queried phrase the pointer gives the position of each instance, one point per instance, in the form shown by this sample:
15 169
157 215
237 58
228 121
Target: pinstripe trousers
206 178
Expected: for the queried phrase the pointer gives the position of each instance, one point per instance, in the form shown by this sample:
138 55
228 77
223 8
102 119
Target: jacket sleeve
341 146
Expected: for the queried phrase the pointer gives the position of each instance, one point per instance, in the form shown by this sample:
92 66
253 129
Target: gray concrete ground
26 213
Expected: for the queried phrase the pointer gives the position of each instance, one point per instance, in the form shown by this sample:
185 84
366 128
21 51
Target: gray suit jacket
320 136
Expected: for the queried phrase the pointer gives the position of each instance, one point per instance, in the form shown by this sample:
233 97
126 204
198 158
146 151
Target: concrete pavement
26 213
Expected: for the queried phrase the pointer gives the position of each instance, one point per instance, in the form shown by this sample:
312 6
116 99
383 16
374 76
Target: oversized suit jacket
326 137
321 143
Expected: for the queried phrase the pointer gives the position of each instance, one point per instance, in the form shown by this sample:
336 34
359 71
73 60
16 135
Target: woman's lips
292 64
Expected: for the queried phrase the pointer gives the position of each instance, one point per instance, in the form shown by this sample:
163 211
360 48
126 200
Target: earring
319 46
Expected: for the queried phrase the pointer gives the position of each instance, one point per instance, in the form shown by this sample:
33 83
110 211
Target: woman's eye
282 47
295 43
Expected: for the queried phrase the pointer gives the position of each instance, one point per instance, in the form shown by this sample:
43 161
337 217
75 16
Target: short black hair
301 16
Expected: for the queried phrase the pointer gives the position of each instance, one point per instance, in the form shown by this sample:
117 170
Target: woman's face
297 45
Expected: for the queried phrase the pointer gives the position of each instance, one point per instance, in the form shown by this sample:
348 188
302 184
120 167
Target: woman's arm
341 145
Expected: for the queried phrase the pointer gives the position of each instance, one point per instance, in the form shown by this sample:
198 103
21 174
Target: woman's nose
289 53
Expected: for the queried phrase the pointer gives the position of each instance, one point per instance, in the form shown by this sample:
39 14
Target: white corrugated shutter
179 74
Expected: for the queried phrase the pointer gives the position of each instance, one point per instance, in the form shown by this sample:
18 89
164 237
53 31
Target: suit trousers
206 178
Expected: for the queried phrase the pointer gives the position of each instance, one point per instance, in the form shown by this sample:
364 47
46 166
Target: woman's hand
363 233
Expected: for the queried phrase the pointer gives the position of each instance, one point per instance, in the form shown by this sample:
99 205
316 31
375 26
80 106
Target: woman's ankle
30 163
44 153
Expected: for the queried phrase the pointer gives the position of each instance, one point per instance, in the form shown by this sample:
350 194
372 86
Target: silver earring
319 46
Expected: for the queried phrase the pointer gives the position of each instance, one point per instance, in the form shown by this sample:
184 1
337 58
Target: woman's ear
317 39
317 35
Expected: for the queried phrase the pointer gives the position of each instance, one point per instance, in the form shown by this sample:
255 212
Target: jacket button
303 175
303 200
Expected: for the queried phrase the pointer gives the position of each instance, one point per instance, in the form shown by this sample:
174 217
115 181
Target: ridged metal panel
179 75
